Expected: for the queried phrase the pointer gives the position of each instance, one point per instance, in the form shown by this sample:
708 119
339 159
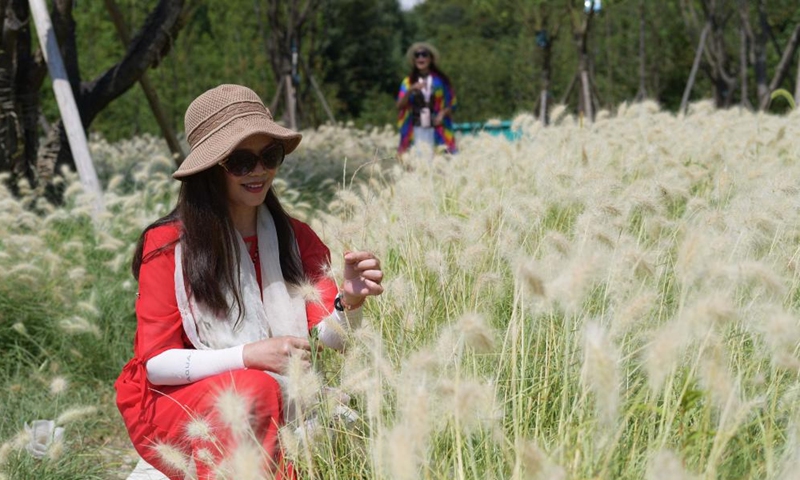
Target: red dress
159 413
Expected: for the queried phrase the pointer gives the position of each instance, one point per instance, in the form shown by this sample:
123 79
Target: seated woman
218 307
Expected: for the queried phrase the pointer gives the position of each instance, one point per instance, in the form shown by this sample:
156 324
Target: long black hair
208 241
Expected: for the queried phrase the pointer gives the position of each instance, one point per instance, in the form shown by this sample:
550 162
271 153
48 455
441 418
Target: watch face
337 304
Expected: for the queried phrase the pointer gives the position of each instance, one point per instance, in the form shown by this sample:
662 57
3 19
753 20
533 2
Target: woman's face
250 190
422 59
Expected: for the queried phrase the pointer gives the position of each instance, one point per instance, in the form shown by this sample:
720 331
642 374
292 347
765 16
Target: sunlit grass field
617 300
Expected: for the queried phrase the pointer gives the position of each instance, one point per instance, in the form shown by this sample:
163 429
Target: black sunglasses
242 162
422 54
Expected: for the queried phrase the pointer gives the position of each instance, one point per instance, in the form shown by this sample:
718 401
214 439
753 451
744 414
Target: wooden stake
76 136
290 105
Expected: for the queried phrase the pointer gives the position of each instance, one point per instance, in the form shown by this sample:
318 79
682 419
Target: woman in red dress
218 307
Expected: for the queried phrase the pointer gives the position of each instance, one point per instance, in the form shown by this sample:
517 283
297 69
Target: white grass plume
665 465
75 413
600 371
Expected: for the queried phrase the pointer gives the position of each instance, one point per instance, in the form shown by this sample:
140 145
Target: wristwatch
340 306
337 303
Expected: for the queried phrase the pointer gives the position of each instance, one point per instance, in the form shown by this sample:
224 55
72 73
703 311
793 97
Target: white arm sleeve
333 329
181 366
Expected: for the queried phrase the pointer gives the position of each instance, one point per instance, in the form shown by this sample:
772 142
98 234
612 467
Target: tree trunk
641 94
695 65
745 40
152 43
581 33
22 75
797 87
149 91
783 66
760 51
544 96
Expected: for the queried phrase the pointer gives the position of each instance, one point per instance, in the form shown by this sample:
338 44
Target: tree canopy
491 50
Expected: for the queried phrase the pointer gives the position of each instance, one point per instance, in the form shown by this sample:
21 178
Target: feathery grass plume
633 312
78 325
199 429
19 327
475 333
75 413
172 457
666 465
403 452
763 276
205 456
5 450
291 443
790 458
529 273
309 293
234 411
716 378
470 404
600 371
58 385
781 332
664 352
245 462
304 384
534 464
714 311
366 369
692 259
56 449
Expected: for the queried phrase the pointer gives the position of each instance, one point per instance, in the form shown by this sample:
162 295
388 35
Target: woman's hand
273 354
440 117
362 277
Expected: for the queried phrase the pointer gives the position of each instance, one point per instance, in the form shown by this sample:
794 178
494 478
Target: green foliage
356 50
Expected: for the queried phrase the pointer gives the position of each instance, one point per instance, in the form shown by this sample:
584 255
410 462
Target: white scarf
273 311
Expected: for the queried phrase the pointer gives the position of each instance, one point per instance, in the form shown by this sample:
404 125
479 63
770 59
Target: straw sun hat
422 46
219 119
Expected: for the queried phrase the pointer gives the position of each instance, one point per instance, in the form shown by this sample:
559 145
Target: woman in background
425 102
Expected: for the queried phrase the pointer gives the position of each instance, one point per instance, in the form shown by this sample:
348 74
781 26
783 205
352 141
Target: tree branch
783 66
151 43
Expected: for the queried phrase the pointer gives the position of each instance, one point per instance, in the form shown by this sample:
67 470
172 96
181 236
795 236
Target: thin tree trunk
695 65
570 87
149 91
544 111
745 100
760 50
290 101
586 95
797 86
783 66
642 93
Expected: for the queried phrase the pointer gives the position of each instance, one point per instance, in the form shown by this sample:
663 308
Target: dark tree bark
745 41
716 15
545 34
581 25
782 70
641 94
22 74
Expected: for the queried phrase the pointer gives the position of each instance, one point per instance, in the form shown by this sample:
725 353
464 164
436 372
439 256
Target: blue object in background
492 128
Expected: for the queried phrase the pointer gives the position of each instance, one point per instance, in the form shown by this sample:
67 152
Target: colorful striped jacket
443 97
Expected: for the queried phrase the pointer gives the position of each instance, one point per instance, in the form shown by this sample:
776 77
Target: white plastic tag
425 118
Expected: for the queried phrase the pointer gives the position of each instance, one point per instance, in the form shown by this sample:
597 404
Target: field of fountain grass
615 300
